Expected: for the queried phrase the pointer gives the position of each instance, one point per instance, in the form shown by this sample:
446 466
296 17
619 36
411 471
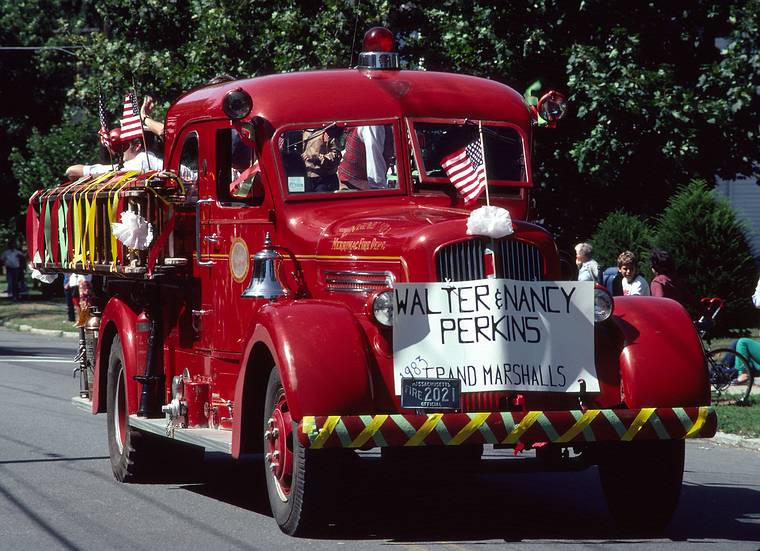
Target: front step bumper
508 428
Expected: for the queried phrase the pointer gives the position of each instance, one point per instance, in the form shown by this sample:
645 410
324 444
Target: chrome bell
265 282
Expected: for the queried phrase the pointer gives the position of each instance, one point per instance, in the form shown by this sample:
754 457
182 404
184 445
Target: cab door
192 165
233 226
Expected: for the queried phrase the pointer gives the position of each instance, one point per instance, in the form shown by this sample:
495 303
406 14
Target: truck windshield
438 142
339 157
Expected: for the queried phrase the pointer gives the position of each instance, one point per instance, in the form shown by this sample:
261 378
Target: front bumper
509 428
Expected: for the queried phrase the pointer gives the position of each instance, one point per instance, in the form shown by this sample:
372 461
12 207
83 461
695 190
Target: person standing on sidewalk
13 260
588 268
71 292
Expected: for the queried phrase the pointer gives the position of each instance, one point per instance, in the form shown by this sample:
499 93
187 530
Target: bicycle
721 362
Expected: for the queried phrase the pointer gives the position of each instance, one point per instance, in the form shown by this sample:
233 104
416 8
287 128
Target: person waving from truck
134 158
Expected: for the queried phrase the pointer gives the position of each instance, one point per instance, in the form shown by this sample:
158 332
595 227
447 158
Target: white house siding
744 197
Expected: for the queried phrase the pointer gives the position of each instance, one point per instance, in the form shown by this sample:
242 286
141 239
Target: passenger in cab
321 156
366 158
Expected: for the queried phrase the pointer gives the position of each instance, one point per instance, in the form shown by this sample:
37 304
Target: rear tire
134 455
642 482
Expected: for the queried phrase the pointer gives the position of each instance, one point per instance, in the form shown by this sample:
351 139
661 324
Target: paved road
57 491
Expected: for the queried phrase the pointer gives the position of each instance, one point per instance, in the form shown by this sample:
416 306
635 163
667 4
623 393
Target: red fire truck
304 277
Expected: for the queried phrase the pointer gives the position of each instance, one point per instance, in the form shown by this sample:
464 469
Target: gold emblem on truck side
238 260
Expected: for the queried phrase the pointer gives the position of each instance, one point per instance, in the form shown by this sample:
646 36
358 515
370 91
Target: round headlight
603 305
382 308
237 104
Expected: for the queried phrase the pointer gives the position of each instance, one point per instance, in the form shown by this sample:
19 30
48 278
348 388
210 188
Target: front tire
642 482
298 479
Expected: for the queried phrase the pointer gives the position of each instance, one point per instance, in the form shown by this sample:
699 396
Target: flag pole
142 130
485 167
101 105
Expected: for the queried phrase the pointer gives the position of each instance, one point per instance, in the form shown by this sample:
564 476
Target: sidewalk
73 334
736 441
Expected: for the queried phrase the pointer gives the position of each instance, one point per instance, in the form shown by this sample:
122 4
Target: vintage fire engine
310 283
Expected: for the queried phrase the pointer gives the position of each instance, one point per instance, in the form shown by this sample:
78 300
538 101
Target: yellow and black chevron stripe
559 427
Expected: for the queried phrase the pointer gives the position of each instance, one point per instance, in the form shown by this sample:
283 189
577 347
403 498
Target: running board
213 440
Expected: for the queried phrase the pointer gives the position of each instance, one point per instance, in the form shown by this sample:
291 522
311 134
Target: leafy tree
8 233
709 244
35 83
619 232
727 95
49 154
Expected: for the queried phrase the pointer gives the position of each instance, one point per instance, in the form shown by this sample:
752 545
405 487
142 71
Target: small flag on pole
131 126
103 132
466 170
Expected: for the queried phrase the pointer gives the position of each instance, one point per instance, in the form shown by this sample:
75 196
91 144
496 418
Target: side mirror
551 107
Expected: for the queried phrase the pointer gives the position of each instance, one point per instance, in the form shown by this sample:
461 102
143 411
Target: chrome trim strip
357 281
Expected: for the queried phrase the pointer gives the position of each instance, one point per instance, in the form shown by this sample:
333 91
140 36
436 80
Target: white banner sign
496 334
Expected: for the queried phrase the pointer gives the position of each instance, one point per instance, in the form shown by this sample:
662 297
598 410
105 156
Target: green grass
34 311
743 420
41 314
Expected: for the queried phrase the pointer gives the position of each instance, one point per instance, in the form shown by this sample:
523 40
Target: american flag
131 126
103 132
466 170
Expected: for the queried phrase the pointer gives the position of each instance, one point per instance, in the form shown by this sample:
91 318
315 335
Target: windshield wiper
490 132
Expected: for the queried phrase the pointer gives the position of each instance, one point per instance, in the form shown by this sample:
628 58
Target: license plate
431 393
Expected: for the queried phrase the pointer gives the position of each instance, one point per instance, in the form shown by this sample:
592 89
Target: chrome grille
358 282
463 261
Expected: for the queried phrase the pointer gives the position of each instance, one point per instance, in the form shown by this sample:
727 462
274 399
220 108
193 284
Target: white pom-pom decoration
134 230
44 278
490 221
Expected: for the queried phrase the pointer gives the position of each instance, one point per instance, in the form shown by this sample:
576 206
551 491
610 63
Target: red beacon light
377 50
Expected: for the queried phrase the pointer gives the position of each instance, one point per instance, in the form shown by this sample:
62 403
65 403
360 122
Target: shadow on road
29 352
508 507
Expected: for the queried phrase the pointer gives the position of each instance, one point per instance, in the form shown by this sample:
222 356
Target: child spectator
632 281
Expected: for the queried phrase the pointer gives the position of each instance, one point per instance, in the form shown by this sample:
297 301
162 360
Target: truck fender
320 351
662 363
118 319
